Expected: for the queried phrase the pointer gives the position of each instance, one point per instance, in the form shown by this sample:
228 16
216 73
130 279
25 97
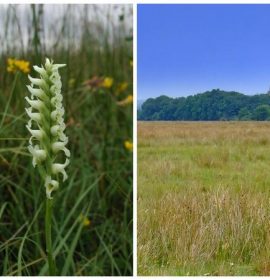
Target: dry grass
203 198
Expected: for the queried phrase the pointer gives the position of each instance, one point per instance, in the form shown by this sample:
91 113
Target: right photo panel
203 139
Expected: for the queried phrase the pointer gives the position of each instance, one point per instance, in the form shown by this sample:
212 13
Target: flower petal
36 104
60 168
50 185
37 82
39 155
33 116
60 146
37 92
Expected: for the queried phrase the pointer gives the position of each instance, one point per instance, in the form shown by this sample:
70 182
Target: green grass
203 198
99 186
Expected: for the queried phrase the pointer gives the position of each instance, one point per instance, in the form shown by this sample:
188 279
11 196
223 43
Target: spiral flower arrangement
46 125
48 141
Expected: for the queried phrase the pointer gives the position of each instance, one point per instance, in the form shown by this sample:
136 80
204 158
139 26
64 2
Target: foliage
92 223
209 106
262 113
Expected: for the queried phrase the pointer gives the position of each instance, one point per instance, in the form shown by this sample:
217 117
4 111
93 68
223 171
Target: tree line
211 105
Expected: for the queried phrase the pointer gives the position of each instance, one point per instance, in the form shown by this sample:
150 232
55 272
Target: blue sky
187 49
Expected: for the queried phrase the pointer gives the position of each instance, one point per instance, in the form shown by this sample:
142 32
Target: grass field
92 215
203 198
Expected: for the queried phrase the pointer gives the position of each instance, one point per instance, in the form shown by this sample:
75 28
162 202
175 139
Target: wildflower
71 122
128 145
71 82
107 82
46 125
128 100
122 87
85 221
14 65
94 82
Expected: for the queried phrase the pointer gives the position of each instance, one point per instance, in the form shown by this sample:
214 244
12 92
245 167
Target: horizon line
215 89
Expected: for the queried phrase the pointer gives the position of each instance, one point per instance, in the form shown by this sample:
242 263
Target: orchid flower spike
48 141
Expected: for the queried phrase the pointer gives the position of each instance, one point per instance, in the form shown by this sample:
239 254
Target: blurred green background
92 224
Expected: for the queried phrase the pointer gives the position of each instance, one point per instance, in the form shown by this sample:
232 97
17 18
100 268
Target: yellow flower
107 82
14 65
128 100
71 82
131 63
85 221
128 145
122 87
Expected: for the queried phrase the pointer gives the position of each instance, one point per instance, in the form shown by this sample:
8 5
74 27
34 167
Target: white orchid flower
46 124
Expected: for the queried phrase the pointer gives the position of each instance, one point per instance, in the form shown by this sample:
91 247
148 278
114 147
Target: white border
135 2
135 272
135 140
63 2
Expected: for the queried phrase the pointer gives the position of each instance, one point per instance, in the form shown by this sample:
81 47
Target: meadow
92 215
203 198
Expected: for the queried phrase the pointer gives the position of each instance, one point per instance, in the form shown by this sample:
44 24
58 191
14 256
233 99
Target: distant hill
208 106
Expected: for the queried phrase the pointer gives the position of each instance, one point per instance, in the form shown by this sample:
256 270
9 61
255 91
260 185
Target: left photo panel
66 142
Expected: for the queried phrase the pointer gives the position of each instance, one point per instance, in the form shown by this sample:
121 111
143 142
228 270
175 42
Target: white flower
37 82
46 124
37 92
50 185
34 116
35 104
60 168
39 155
38 134
41 71
60 146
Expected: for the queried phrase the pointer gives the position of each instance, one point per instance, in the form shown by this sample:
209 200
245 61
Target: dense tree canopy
208 106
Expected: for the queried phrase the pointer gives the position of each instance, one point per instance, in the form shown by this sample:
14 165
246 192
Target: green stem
10 97
48 233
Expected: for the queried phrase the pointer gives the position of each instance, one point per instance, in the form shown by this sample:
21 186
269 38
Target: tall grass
203 198
92 223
